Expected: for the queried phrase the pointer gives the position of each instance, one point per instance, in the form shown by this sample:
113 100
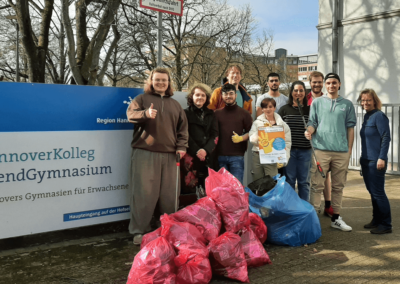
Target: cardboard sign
271 145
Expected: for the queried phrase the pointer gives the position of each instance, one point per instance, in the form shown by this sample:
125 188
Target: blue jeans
374 180
298 169
234 165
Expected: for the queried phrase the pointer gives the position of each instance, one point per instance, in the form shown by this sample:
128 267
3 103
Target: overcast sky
293 22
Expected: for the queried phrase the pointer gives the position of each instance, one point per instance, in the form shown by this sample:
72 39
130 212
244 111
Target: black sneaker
381 231
371 225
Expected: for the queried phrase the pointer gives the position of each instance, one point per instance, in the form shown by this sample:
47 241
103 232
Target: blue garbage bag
289 219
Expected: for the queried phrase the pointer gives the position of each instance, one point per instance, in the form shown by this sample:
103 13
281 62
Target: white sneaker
341 225
137 239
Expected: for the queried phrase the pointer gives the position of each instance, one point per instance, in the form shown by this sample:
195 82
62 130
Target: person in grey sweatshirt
331 131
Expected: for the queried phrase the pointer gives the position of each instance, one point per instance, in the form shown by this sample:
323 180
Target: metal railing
392 111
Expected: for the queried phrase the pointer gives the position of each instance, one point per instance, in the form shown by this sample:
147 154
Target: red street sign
174 7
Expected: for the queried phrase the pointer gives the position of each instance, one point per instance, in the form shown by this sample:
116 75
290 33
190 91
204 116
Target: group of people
213 132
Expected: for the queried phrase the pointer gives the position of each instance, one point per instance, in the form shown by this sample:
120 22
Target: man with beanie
234 124
331 129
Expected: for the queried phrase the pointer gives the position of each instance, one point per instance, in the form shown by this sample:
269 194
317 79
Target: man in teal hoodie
331 129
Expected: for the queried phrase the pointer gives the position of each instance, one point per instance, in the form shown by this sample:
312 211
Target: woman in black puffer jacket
203 138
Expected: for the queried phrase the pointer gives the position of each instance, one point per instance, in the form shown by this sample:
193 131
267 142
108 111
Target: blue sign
63 107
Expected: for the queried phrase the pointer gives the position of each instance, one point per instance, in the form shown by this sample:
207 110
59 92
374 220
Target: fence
392 111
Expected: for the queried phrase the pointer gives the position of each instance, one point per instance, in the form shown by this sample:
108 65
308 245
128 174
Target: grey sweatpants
152 179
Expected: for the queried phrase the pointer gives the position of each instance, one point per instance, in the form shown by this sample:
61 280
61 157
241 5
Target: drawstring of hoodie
334 105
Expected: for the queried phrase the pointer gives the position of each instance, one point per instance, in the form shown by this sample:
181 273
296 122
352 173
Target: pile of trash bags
216 235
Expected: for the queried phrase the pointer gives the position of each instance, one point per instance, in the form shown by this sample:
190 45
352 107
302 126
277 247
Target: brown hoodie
167 133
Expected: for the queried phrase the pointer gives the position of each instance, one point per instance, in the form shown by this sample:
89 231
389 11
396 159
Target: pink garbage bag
253 250
227 257
154 264
222 178
258 226
183 236
233 206
192 268
204 215
149 237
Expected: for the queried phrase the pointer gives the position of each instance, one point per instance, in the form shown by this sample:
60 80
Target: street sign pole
173 7
159 39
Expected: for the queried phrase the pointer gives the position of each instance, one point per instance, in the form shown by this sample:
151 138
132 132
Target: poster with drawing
271 143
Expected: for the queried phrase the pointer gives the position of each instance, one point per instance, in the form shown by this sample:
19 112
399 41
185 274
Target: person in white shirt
273 84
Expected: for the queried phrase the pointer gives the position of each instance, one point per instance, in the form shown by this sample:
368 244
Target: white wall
369 52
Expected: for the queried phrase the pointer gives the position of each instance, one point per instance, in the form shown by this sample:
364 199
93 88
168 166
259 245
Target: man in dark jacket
161 132
234 124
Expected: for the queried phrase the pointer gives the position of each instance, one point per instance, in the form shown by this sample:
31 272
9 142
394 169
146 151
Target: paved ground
79 256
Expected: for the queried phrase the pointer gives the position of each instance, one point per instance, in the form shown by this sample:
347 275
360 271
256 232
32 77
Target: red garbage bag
192 268
204 215
233 206
258 226
222 178
253 250
227 257
150 236
154 264
183 236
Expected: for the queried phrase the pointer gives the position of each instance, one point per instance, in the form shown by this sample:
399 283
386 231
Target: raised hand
152 113
236 138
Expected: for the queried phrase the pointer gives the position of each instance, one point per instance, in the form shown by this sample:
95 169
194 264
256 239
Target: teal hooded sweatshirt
331 118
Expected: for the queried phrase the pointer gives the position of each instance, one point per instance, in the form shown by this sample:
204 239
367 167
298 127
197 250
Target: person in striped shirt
299 164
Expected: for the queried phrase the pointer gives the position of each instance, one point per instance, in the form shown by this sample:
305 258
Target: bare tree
84 54
35 47
257 61
205 26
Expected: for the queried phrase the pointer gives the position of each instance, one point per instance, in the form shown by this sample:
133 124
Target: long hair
148 87
304 102
206 89
371 92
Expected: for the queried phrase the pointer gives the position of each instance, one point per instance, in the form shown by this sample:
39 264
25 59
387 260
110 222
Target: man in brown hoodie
160 132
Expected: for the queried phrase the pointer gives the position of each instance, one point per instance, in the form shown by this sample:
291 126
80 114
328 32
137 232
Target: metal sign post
159 39
174 7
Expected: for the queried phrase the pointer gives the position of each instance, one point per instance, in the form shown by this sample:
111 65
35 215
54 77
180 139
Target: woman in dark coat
203 138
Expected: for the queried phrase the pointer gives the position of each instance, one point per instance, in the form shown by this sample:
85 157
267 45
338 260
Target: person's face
367 102
199 98
234 76
269 110
332 85
160 82
229 97
273 83
298 93
316 84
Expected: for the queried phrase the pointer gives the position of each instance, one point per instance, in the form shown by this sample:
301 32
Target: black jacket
202 132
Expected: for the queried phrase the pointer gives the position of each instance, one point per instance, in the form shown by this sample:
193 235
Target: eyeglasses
366 101
160 80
